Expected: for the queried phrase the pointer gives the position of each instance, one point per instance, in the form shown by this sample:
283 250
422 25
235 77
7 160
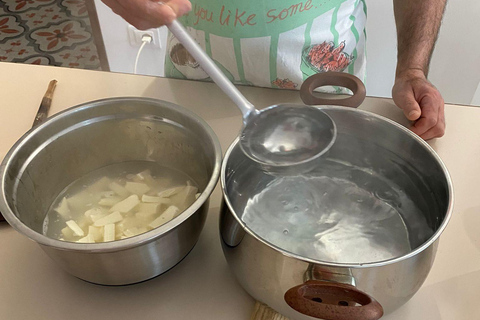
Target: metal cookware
95 134
380 184
285 136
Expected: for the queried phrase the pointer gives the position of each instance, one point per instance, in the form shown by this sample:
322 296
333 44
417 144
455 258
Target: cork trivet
263 312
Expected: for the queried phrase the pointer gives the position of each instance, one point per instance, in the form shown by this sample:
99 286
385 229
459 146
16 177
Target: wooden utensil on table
42 112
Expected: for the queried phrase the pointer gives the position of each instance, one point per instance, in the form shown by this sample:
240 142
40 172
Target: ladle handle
341 79
211 68
333 301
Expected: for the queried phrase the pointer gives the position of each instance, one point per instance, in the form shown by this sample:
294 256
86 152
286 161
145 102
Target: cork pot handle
341 79
333 301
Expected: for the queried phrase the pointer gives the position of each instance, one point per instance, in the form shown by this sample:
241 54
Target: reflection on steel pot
353 238
82 139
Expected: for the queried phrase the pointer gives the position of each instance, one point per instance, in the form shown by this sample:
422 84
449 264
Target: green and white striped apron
273 43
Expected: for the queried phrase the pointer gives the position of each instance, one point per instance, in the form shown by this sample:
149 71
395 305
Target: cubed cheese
127 204
83 222
149 207
95 232
153 199
109 202
79 202
75 228
109 232
185 197
99 185
110 219
68 233
119 230
63 208
87 239
97 216
170 192
147 178
166 216
118 189
134 231
93 212
144 215
137 188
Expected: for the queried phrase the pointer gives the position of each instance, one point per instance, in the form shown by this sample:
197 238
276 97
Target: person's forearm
418 22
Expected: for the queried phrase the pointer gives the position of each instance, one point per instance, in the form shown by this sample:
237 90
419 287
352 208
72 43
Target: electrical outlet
135 36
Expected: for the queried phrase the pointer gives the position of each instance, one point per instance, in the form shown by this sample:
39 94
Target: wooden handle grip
333 301
341 79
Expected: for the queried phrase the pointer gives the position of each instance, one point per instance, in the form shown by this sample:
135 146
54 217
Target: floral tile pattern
47 32
10 27
57 37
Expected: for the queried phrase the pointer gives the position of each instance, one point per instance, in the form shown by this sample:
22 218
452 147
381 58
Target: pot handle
332 301
341 79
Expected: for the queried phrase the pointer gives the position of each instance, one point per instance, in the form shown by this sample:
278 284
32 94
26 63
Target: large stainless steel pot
305 288
92 135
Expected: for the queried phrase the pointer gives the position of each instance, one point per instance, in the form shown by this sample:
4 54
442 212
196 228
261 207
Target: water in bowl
86 193
338 213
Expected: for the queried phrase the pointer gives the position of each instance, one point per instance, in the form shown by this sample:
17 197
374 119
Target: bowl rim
380 263
122 244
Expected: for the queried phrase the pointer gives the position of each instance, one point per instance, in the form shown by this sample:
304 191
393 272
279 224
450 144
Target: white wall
476 97
455 67
120 54
381 48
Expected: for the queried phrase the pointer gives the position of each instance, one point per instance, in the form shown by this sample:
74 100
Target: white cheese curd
119 201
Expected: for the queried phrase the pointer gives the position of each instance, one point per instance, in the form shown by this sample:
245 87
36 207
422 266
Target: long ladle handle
211 69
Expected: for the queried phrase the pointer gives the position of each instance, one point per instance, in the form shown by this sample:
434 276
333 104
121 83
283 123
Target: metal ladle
278 136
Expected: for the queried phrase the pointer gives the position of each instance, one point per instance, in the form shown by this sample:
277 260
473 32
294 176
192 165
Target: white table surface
201 286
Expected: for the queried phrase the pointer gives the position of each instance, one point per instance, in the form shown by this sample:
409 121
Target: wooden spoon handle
42 112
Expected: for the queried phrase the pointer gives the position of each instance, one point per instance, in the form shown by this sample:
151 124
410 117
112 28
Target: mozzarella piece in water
153 199
109 232
118 189
126 205
75 228
63 208
115 209
168 215
110 219
95 232
170 192
87 239
149 207
137 188
110 201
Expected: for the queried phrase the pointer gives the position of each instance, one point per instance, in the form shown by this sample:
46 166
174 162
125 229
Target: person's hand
421 102
146 14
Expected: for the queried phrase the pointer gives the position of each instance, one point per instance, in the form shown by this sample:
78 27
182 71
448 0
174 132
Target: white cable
145 39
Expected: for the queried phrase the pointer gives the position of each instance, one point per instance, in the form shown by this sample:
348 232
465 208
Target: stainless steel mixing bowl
95 134
389 161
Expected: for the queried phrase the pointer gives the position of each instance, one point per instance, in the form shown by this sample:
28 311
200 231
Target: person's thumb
406 101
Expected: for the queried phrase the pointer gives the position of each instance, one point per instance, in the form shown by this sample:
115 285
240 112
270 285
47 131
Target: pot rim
417 250
117 245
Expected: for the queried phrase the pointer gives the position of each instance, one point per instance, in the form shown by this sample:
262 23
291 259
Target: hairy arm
418 23
145 14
